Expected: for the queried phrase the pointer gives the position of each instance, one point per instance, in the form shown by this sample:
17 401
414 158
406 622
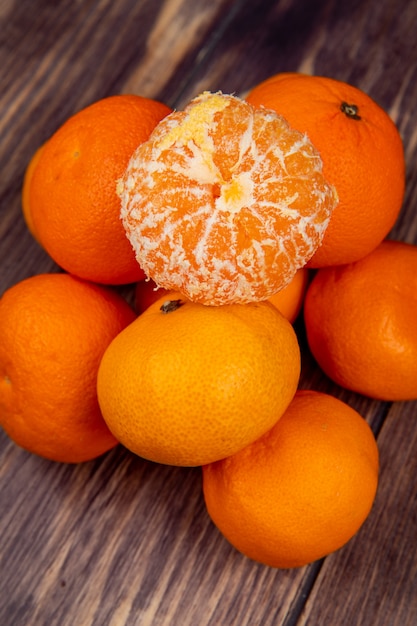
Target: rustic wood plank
368 44
120 541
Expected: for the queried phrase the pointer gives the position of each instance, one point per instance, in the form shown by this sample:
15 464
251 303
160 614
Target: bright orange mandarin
302 490
361 322
288 301
190 384
27 181
71 193
54 329
146 293
362 154
225 202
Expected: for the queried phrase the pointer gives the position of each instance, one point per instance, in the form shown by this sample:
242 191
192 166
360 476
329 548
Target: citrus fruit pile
227 218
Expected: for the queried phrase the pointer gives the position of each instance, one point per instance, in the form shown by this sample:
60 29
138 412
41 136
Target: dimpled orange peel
225 202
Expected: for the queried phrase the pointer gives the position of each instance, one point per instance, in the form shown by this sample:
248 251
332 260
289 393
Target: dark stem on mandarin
171 305
350 110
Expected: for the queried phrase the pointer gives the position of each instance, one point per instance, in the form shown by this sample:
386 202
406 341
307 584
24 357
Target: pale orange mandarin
186 384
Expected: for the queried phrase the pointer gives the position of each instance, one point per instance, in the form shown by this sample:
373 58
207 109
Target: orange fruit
302 490
186 384
290 299
146 293
361 322
54 329
224 202
71 193
362 155
27 181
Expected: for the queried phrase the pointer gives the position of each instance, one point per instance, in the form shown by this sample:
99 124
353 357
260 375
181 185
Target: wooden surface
120 541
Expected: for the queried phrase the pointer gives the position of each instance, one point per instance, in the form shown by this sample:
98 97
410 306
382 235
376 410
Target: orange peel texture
225 202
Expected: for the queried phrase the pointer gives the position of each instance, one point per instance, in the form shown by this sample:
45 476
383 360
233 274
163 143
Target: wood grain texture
120 541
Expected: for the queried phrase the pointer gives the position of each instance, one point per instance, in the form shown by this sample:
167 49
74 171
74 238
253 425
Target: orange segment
225 202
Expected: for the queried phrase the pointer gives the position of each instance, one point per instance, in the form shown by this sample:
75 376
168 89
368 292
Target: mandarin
27 181
146 293
288 300
361 322
54 329
71 193
302 490
186 384
225 202
362 155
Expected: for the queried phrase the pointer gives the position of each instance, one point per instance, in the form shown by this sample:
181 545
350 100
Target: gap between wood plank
303 593
208 49
379 419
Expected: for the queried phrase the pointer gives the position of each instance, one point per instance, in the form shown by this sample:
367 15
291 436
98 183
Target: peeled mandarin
225 202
